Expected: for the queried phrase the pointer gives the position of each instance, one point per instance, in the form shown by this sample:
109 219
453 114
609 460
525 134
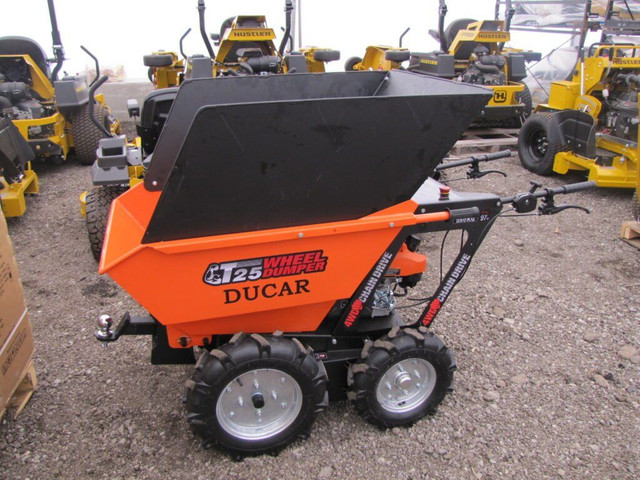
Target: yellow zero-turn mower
474 52
470 52
246 47
51 115
590 122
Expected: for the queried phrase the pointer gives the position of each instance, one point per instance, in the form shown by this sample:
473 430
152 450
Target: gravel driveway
544 326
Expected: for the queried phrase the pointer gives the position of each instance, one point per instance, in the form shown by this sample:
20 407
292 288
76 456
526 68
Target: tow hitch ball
105 332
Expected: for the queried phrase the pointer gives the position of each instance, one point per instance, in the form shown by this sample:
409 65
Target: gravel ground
544 326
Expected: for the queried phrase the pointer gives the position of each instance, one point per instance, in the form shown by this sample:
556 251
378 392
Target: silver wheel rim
406 385
259 404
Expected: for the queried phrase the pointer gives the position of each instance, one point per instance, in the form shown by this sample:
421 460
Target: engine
621 116
484 69
18 101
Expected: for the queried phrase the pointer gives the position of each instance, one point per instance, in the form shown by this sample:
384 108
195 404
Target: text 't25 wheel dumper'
286 207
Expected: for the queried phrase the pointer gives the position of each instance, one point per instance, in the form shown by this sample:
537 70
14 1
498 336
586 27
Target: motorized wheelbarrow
275 224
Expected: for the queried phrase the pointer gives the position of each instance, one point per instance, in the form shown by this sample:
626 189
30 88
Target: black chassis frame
341 336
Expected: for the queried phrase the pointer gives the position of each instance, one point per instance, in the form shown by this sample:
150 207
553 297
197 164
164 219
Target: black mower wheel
635 206
397 56
401 377
256 394
86 134
524 97
157 60
350 63
326 55
454 27
536 152
98 204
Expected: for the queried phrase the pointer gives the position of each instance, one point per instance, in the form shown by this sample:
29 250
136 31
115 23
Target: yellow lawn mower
590 122
52 115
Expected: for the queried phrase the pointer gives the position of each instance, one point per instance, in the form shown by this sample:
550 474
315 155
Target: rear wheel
537 153
524 97
326 55
398 56
635 206
86 134
256 394
97 208
401 377
158 60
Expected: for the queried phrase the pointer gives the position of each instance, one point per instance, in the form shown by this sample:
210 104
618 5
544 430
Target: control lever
527 202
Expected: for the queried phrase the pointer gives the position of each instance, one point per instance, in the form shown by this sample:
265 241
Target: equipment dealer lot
544 326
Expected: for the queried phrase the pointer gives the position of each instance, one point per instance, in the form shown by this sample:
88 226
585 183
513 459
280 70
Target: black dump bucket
253 153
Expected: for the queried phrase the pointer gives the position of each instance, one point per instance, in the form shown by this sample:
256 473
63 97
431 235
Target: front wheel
635 206
351 63
401 377
98 206
256 394
536 150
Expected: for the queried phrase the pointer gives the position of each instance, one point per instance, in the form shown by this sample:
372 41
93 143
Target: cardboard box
12 305
15 359
16 340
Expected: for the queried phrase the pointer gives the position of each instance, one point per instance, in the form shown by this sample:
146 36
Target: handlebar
485 157
527 202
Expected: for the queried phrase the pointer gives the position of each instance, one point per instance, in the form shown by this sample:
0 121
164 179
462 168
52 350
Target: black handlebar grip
493 156
575 187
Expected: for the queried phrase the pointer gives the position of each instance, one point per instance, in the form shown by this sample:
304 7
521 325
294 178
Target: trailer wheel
97 207
256 394
350 63
401 377
537 153
635 206
86 134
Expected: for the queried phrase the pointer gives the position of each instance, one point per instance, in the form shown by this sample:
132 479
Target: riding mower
470 52
590 122
51 114
474 52
275 229
246 48
380 57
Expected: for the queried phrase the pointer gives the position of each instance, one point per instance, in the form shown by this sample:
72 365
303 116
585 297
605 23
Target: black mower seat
25 46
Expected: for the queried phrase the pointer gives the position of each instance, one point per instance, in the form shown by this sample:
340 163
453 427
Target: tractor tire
536 153
350 63
454 27
635 206
157 60
97 208
256 394
401 377
86 134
